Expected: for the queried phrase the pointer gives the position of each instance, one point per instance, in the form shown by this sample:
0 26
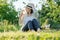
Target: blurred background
49 13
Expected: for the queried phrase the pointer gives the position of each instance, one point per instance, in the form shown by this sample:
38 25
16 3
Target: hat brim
28 7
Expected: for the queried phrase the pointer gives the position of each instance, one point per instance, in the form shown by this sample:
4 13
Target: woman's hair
31 11
31 8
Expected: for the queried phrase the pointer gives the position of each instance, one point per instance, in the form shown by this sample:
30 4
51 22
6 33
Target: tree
7 12
50 11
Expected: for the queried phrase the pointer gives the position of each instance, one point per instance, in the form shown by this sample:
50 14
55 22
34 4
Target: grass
42 35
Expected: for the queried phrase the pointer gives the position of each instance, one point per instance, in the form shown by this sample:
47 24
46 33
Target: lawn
42 35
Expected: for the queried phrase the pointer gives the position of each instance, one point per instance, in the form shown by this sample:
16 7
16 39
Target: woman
28 20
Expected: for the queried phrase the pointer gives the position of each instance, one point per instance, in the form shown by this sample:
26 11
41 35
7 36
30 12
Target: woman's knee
34 20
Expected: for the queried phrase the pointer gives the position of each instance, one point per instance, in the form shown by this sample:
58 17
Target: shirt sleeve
36 14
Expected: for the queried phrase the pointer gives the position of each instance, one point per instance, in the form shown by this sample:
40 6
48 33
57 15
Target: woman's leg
36 24
28 26
25 28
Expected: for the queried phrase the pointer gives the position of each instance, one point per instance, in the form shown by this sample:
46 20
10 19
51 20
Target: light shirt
28 18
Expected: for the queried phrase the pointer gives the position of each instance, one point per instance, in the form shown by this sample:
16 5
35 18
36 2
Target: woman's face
28 10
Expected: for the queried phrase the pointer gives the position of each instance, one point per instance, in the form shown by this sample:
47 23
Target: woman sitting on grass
28 20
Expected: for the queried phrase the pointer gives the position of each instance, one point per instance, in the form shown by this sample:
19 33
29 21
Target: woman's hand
21 17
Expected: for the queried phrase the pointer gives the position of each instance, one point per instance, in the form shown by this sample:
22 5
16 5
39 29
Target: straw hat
31 4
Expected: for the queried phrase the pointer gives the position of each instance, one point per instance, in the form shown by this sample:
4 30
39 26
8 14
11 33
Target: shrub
5 26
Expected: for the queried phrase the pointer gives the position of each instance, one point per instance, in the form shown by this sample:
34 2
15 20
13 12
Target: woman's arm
21 17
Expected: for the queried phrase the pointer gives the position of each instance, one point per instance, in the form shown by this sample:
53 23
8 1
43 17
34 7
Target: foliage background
49 14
